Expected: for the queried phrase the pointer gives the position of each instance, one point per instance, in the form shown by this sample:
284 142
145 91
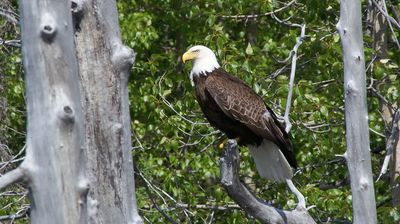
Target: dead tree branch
229 168
391 20
252 16
9 15
391 143
293 55
19 215
11 177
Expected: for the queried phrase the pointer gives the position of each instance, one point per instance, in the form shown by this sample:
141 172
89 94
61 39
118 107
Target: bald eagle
231 106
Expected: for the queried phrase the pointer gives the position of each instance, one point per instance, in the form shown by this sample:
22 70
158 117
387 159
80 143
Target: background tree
175 150
104 68
55 164
357 135
55 160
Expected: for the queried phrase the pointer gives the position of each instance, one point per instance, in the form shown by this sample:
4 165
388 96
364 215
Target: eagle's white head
204 60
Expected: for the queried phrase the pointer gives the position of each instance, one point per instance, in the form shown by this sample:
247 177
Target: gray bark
379 30
357 133
229 167
105 64
393 145
55 160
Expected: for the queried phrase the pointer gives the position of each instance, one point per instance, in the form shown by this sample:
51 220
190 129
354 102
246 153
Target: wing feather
238 101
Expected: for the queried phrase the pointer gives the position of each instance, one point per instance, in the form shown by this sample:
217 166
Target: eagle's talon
222 144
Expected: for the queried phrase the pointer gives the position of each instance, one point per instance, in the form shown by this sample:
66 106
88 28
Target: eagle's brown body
233 107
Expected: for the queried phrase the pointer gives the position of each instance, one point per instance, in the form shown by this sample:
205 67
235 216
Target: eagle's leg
222 145
301 201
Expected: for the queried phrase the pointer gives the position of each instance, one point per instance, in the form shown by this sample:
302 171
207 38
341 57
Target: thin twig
391 20
259 15
376 93
11 43
288 124
12 217
166 102
158 190
394 11
156 206
12 160
9 15
203 206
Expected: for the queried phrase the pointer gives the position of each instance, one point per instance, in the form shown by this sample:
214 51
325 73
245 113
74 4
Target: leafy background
176 150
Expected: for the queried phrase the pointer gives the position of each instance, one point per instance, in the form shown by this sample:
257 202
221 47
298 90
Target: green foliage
12 111
176 150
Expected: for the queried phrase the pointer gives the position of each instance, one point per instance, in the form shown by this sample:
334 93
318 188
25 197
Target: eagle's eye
196 50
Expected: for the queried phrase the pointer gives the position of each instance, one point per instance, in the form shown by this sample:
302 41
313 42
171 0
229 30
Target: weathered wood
393 147
357 133
55 160
229 167
105 64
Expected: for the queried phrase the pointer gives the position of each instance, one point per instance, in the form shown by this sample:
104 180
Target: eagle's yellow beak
188 55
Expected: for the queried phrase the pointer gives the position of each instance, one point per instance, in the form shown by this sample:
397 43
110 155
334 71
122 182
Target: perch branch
229 167
11 177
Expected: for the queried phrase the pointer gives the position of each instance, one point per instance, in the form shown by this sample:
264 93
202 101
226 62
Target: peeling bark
379 26
55 160
105 64
394 142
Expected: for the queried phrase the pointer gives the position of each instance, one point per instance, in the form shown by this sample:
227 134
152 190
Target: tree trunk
105 64
395 166
55 159
357 133
379 26
4 155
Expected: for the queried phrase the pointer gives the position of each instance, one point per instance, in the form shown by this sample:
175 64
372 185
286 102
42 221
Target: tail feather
270 162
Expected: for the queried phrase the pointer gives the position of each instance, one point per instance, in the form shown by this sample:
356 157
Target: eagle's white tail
270 162
272 165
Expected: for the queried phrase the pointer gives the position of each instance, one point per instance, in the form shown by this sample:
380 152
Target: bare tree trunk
393 141
55 160
357 133
105 64
4 154
379 26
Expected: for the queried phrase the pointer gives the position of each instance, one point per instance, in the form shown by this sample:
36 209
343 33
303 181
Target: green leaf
249 49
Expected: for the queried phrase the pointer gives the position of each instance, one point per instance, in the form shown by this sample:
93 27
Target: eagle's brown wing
238 101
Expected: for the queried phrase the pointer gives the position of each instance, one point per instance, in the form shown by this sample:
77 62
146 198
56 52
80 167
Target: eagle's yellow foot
222 145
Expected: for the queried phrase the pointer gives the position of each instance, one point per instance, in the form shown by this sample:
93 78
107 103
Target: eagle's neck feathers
202 66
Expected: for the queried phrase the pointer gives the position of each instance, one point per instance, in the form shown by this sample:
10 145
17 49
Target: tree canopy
175 149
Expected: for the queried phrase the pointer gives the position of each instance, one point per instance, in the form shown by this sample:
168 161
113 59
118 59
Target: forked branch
229 168
11 177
